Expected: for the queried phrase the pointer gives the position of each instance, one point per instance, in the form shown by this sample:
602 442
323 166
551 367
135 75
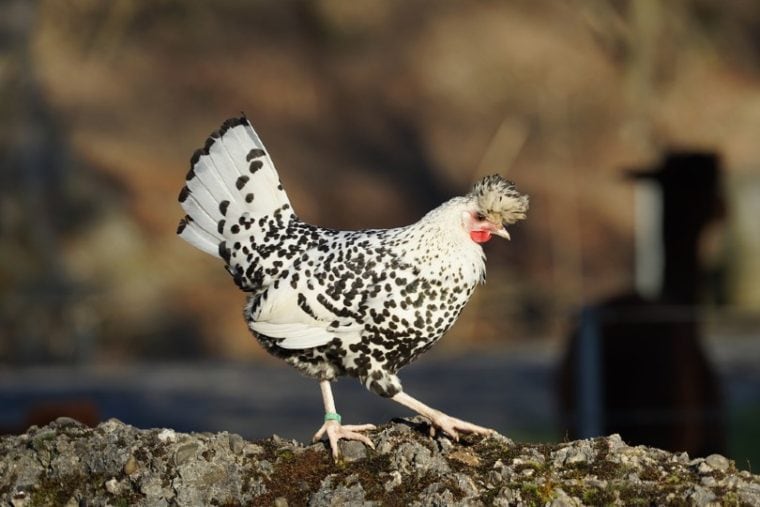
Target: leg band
332 416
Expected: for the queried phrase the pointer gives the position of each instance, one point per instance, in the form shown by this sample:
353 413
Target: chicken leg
438 419
334 429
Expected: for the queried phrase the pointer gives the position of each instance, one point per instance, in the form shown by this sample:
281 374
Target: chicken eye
480 216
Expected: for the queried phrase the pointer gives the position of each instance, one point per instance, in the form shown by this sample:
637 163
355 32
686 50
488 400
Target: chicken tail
231 177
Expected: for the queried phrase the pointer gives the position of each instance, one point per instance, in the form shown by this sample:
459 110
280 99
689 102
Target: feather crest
499 200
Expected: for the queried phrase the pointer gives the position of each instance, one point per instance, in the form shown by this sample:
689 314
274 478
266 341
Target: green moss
369 473
644 494
491 450
229 502
285 454
591 495
673 479
649 473
121 502
534 492
730 498
297 473
596 496
42 439
306 470
5 489
294 478
489 495
57 492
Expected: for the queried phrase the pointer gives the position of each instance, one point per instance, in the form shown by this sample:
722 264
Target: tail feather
231 177
203 219
258 171
198 237
209 188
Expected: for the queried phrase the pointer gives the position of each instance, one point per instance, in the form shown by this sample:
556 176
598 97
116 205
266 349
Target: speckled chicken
333 303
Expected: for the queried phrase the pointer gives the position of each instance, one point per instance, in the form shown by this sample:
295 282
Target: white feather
200 239
295 336
214 179
280 316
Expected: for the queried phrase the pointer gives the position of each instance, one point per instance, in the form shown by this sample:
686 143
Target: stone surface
66 463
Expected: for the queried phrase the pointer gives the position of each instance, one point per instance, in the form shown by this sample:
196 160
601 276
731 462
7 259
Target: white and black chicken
332 303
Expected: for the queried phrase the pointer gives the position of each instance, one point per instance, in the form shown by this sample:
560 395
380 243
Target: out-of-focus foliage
374 112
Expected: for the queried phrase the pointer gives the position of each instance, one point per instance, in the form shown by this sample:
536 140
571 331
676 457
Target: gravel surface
66 463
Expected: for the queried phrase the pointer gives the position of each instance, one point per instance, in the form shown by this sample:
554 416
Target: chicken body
333 303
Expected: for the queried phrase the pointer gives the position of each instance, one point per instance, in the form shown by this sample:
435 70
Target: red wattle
480 236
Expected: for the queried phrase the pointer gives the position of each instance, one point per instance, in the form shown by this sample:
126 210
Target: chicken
333 303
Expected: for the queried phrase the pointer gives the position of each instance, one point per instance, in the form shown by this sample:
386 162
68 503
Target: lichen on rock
66 463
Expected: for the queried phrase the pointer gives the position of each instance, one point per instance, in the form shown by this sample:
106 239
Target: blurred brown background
374 113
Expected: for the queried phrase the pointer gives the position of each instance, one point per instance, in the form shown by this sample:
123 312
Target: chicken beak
501 232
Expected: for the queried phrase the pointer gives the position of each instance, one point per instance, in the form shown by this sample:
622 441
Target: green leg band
332 416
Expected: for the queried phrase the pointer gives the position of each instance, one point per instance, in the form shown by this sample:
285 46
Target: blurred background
629 300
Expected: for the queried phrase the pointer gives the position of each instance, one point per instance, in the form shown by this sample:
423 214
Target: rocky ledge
66 463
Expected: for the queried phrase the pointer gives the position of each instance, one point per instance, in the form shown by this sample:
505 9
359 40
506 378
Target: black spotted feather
331 303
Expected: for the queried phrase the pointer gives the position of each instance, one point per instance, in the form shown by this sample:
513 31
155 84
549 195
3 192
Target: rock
43 437
562 499
750 494
63 422
348 491
352 450
185 452
435 494
701 497
394 480
153 487
130 467
578 452
237 444
466 485
113 486
419 460
717 462
66 463
708 481
615 443
20 499
507 497
167 436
